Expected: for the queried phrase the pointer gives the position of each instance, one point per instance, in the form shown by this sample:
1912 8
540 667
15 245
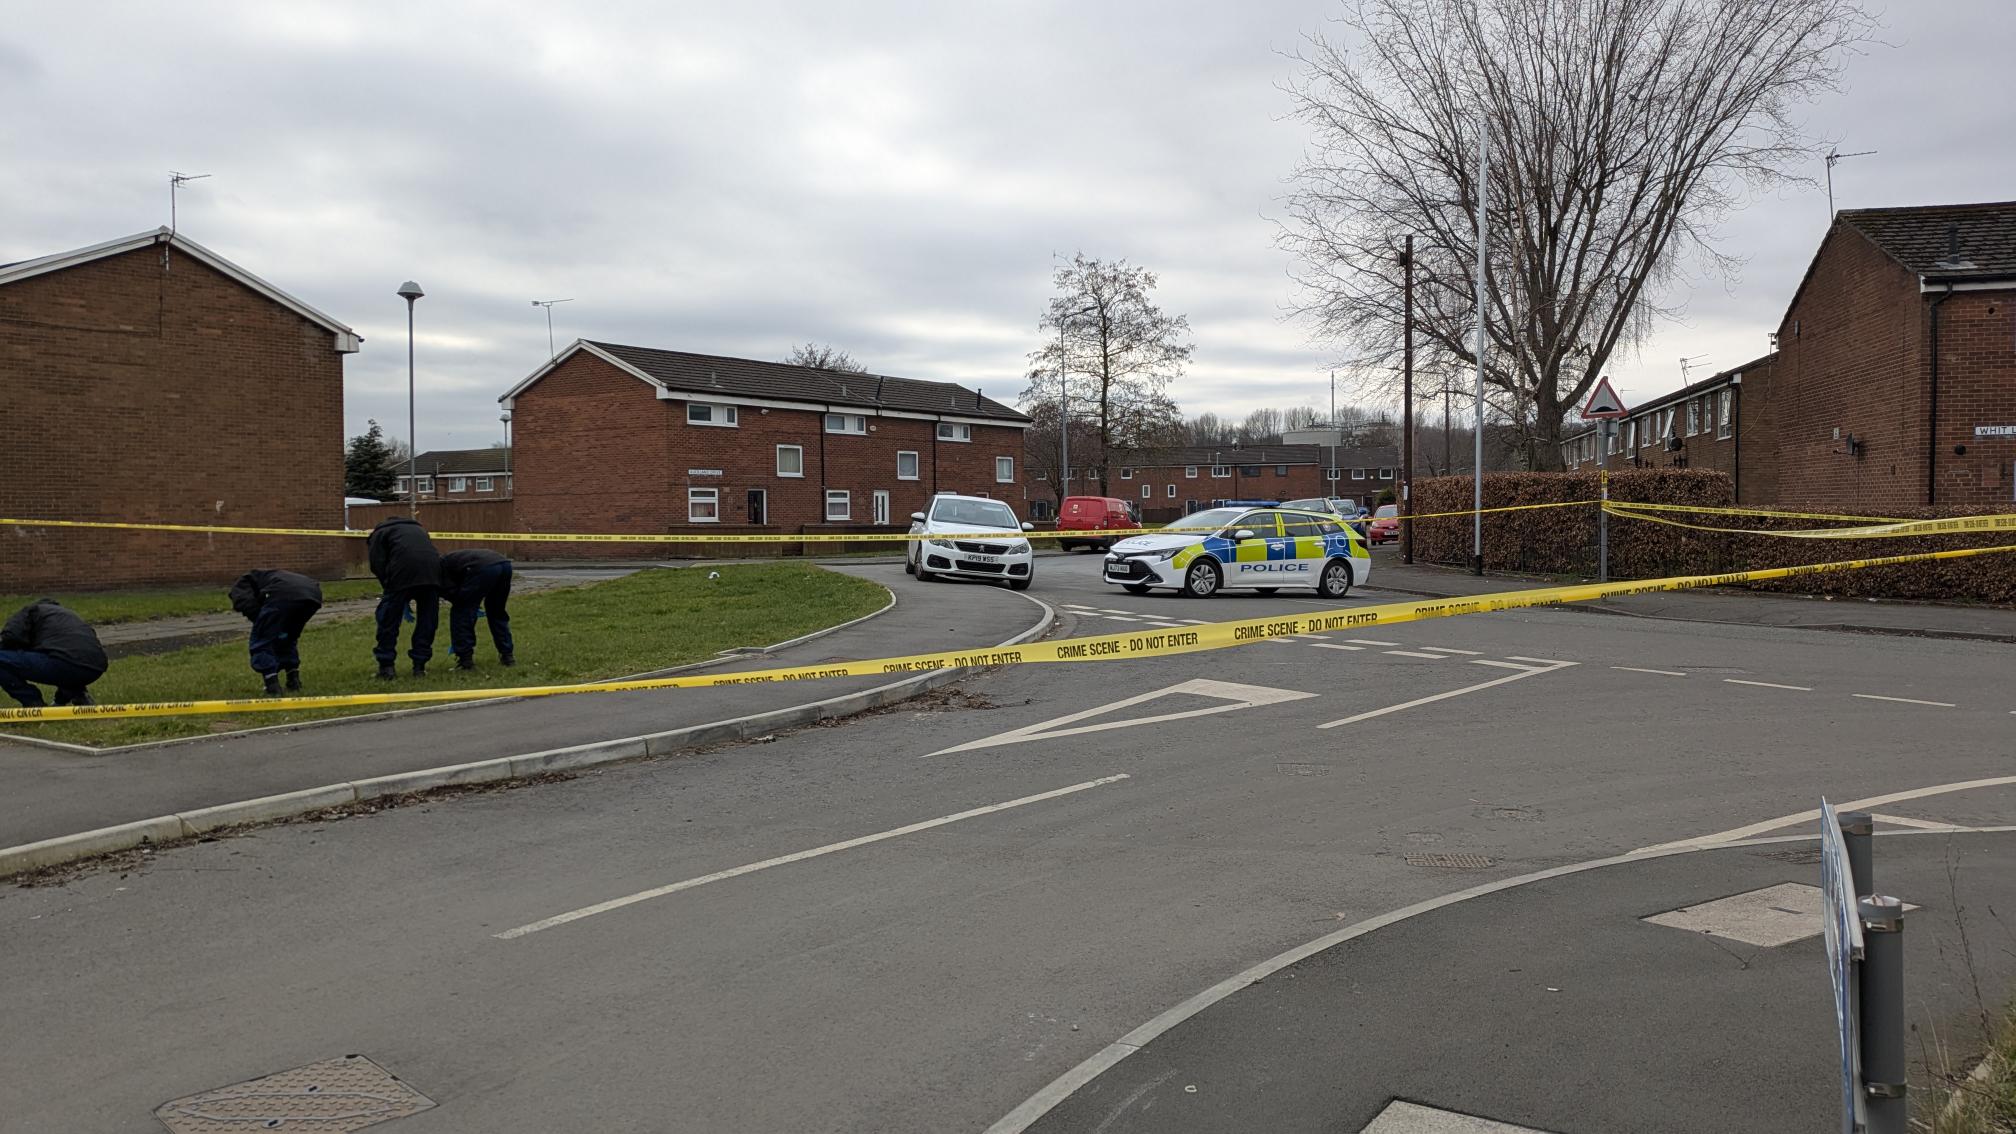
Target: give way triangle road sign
1231 696
1604 402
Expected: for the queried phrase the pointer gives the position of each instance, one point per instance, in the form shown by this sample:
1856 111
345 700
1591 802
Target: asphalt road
933 979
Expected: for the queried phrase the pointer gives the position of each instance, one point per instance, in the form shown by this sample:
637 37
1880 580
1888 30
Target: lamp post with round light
410 291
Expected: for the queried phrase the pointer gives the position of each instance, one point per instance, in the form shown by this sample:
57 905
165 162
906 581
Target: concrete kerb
266 809
739 653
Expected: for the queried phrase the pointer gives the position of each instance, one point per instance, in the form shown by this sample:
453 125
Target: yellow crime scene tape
679 537
1098 648
1898 529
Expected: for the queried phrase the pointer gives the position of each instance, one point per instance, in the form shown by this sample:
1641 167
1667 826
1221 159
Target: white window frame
1221 472
485 484
957 431
710 497
1357 474
1171 494
1693 417
458 484
1631 435
916 466
426 484
850 423
1041 475
798 449
729 418
1190 472
1333 473
1147 492
1385 474
999 464
845 497
1126 474
1725 400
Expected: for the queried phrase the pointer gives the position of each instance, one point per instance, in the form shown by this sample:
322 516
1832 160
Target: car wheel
1135 588
1020 584
1335 581
909 566
1202 580
924 576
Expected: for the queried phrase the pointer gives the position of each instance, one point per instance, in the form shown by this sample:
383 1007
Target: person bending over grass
408 567
477 579
47 644
279 603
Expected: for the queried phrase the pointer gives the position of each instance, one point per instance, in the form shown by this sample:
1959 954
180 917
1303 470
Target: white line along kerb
800 856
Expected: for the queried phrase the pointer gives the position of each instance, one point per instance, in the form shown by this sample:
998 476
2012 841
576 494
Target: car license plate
982 558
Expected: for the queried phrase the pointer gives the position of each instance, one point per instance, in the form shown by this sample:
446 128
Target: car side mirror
917 516
1027 526
1244 534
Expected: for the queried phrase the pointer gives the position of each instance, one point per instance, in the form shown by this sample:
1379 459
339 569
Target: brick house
461 474
150 379
1167 484
1723 422
611 438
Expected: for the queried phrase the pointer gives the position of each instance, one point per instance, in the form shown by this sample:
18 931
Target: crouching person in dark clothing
477 579
279 603
408 567
43 643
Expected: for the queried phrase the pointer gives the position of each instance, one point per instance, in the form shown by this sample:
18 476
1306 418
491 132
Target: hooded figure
477 579
408 567
44 643
279 603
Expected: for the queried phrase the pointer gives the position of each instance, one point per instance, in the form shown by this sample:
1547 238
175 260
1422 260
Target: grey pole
1858 830
410 291
1477 472
1604 430
1880 978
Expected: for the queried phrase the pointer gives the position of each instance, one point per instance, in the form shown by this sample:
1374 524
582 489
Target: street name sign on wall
1995 431
1843 926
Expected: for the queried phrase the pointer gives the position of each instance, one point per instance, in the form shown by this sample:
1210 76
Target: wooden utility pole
1406 500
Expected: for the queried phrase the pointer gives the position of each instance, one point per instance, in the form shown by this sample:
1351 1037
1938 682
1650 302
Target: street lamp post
410 291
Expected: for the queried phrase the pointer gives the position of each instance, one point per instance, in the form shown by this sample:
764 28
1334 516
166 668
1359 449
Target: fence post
1880 978
1858 831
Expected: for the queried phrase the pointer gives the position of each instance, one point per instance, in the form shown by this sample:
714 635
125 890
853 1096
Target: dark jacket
457 566
402 556
47 628
257 588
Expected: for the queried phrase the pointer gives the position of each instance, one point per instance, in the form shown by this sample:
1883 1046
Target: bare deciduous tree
823 357
1118 353
1621 132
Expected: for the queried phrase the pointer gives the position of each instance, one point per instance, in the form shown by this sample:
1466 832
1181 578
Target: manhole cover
1302 769
1449 861
330 1097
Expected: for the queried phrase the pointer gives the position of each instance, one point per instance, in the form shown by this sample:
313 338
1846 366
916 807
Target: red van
1093 514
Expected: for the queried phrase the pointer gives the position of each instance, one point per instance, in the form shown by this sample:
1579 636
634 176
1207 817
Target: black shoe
272 685
419 669
507 659
465 662
294 681
80 697
385 673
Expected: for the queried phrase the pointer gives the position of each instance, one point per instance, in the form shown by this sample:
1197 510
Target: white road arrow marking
1237 697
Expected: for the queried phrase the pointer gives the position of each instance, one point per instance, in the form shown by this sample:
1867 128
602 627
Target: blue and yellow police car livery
1260 549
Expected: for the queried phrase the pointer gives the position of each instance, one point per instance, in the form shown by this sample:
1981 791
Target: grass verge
102 608
1983 1102
650 620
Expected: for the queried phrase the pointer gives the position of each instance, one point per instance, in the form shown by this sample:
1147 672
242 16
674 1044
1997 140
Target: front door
881 499
759 506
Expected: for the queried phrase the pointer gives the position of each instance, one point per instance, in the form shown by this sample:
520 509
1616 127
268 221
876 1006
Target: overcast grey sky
892 178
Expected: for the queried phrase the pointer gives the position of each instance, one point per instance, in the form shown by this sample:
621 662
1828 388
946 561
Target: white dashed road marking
1335 646
1449 650
1903 700
1520 676
1769 685
1370 642
1499 664
1416 654
1540 661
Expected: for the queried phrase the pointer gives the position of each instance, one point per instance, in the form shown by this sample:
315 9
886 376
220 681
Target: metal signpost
1606 408
1865 963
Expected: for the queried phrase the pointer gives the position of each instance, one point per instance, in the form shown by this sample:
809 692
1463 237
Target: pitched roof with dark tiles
1926 239
1258 455
750 378
460 462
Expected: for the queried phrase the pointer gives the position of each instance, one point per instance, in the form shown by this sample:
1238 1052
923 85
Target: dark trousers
21 670
489 590
276 635
426 603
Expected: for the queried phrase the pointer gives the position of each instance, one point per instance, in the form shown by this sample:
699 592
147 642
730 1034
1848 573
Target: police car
1261 549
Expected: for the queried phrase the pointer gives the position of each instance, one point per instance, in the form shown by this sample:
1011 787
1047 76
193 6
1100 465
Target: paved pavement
918 919
45 793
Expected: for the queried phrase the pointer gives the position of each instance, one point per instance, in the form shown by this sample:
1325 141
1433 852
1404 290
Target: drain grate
1449 861
334 1096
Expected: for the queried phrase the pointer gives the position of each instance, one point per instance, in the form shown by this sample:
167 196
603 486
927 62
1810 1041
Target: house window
1172 492
1280 470
906 465
839 504
953 431
1126 474
1190 471
1042 476
483 484
790 460
1333 473
1385 474
846 423
1004 470
1147 492
458 484
1631 435
1693 416
426 484
703 505
1357 474
1221 471
1725 404
701 413
1249 470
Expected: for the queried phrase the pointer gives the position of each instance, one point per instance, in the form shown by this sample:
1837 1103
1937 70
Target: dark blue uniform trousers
276 635
487 589
21 669
426 603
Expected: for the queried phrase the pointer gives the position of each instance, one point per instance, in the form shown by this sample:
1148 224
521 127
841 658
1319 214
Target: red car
1091 515
1385 525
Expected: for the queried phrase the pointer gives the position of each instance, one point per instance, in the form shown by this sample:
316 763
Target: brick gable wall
134 394
1977 386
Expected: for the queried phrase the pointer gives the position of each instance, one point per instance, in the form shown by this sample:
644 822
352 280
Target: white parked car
970 537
